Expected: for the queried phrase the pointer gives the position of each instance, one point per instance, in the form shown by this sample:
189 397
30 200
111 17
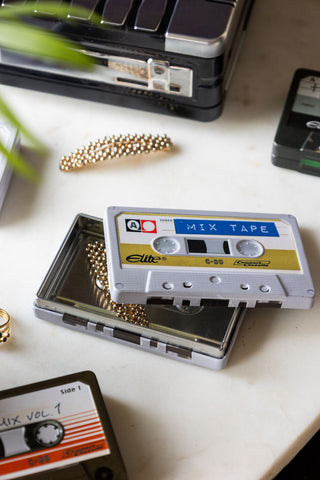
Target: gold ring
4 326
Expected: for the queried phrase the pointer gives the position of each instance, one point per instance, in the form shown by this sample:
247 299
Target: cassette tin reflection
200 258
58 429
70 296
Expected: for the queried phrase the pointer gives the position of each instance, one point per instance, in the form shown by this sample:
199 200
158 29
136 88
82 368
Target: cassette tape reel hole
49 433
166 245
250 248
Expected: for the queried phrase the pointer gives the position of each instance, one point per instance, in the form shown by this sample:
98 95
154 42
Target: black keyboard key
115 12
150 14
38 7
89 5
212 19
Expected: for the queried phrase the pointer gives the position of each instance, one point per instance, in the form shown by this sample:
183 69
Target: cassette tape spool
189 257
32 437
58 429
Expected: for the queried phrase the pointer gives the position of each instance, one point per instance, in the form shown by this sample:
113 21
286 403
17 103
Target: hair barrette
113 147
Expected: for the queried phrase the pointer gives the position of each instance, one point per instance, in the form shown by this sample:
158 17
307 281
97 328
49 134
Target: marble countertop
172 420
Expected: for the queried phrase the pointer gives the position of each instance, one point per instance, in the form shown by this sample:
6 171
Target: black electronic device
167 56
297 141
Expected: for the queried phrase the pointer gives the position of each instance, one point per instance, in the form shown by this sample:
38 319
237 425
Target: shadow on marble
139 437
256 330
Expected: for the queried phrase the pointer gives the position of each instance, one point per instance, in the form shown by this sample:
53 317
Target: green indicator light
310 163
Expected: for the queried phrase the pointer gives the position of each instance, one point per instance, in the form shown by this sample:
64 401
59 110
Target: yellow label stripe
270 260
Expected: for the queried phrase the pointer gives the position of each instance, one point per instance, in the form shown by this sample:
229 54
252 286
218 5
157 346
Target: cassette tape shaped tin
187 257
58 429
75 295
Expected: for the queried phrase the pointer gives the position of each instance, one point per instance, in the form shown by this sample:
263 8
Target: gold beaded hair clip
132 313
114 146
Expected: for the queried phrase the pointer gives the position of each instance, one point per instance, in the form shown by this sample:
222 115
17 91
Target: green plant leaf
19 164
20 36
34 41
8 114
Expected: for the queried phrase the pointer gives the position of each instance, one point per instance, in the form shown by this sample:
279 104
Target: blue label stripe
226 227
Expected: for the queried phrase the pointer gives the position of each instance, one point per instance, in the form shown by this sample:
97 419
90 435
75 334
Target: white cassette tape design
188 257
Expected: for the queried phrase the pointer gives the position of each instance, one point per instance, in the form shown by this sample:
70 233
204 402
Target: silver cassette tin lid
274 274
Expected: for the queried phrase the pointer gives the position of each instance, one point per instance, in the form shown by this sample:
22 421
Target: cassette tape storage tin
168 56
58 430
72 295
187 257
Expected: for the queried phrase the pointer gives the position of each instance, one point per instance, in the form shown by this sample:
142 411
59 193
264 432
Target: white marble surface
175 421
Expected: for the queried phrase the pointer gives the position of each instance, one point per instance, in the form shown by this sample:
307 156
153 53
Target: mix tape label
167 241
49 428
